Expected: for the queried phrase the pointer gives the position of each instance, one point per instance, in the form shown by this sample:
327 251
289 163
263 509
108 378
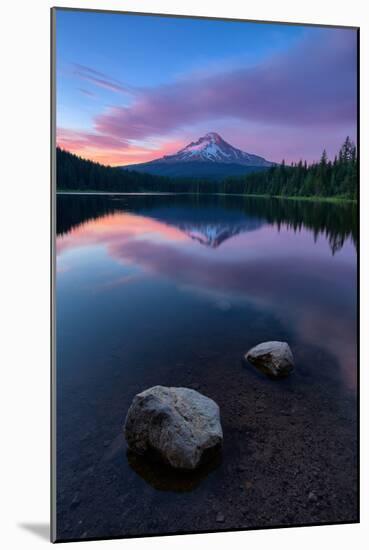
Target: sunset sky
133 88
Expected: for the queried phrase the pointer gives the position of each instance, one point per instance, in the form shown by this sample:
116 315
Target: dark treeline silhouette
338 222
322 179
74 173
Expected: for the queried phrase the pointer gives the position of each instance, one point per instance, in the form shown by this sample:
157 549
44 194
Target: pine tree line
74 173
322 179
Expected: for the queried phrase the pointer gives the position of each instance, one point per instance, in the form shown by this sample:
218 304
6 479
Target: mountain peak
210 157
204 142
213 148
213 136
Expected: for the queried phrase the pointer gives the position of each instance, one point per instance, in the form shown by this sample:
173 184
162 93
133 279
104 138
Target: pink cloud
292 105
109 149
74 139
314 85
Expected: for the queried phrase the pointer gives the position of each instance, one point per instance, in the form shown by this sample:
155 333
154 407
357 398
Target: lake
173 290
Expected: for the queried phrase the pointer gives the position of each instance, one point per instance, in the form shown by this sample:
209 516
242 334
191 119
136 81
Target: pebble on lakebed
274 359
179 426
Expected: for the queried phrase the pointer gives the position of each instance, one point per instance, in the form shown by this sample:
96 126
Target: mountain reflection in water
212 220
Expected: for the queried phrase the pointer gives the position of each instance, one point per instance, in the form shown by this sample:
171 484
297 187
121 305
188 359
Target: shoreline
163 193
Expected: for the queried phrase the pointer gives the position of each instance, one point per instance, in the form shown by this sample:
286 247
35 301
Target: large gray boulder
179 426
274 359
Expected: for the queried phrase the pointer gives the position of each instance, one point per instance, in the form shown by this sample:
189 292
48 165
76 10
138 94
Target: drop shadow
42 530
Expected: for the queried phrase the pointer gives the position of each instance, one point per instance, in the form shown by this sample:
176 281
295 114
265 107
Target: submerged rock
274 359
179 426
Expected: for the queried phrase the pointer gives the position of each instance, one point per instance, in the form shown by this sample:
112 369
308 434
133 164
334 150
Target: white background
24 273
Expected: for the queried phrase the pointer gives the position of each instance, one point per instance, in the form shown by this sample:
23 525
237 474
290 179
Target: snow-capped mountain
213 148
208 157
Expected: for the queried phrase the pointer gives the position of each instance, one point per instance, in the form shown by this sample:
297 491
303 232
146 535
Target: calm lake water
173 290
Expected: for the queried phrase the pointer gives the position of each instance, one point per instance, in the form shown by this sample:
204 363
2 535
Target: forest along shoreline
321 180
280 197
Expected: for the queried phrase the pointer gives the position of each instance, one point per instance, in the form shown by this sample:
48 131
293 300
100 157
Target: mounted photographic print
205 232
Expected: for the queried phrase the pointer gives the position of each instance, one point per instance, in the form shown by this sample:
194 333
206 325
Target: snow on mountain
210 157
213 148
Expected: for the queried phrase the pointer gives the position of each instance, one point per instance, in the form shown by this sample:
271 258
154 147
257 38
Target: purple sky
146 86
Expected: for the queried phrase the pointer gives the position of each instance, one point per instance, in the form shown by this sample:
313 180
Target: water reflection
174 290
163 478
274 254
206 216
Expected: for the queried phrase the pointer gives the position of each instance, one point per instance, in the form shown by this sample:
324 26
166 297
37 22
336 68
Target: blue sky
119 66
